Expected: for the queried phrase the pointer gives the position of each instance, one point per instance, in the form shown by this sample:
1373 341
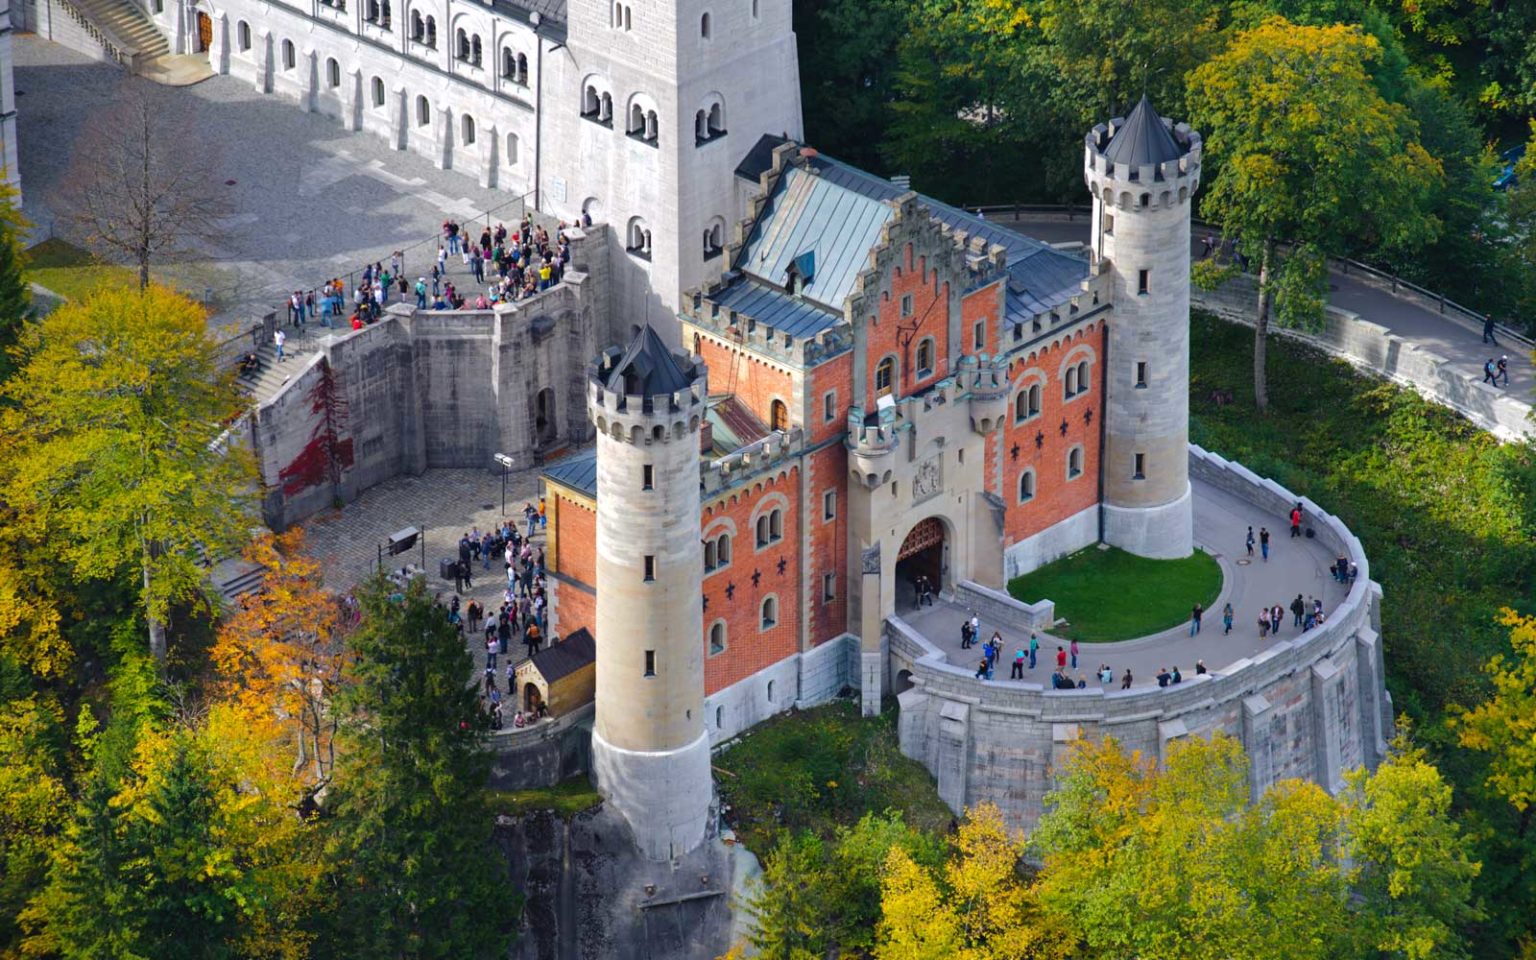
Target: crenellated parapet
767 455
1142 186
640 417
761 338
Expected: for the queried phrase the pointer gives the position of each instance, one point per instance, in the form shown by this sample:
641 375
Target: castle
824 387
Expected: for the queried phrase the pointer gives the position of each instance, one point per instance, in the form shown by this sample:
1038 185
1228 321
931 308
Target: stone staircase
122 28
274 375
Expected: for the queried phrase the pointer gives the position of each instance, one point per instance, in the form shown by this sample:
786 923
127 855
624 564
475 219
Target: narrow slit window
650 663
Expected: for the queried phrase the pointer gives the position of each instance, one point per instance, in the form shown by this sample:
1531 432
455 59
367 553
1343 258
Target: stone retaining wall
1377 350
1311 707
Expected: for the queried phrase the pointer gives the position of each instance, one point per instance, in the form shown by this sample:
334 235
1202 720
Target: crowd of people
500 266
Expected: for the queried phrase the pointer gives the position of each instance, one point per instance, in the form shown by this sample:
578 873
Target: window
770 527
650 663
1026 486
622 16
1109 221
423 112
1026 403
829 505
650 567
704 26
709 555
243 35
1141 467
778 416
462 45
290 59
642 124
829 406
647 477
1082 376
597 106
717 645
431 39
925 357
776 524
979 336
511 157
770 612
1074 463
906 304
709 123
714 239
754 9
720 717
1142 280
770 691
828 587
378 92
418 28
885 374
1071 382
638 239
467 128
333 73
1141 373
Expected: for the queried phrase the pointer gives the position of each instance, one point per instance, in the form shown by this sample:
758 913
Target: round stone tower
1142 172
650 750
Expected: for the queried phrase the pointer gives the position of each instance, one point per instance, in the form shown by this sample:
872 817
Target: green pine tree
415 873
15 293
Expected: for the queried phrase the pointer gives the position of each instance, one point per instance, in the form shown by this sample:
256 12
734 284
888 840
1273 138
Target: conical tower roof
1143 139
647 368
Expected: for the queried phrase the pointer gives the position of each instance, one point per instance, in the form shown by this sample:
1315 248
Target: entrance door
204 32
921 554
545 430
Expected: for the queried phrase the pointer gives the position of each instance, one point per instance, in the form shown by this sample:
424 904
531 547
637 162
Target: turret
1142 172
650 750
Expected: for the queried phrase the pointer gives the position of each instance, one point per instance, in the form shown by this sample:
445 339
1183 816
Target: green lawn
823 768
1110 595
566 798
71 272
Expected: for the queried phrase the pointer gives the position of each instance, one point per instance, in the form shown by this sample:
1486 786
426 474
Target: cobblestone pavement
446 503
309 200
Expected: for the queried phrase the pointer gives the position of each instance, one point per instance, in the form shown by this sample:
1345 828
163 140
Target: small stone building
561 676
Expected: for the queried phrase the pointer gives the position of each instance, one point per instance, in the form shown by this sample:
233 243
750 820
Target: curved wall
1312 707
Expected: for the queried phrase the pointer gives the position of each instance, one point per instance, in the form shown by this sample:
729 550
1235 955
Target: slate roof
577 471
566 657
836 214
1142 139
647 368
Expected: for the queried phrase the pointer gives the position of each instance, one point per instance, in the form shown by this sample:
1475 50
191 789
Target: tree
977 908
15 293
415 872
847 53
143 184
1306 153
281 656
34 804
109 452
1504 726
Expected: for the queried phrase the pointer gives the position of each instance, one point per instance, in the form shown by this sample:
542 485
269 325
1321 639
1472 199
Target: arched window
1071 382
716 119
754 10
384 14
1026 486
423 112
1026 403
652 126
432 33
704 26
925 357
778 416
474 49
636 120
290 58
462 44
629 21
717 640
1074 462
333 72
709 555
776 524
467 128
511 153
770 612
605 108
1082 376
638 238
243 35
762 530
885 376
589 101
378 92
371 11
714 236
418 27
723 549
522 69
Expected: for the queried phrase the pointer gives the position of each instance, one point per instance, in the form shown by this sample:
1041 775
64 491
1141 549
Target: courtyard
309 200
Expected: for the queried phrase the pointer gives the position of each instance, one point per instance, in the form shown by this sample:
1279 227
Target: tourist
1276 614
1082 682
1250 540
1226 619
1503 372
975 624
1163 676
1018 665
491 648
421 293
1264 542
981 668
1061 657
1296 520
1263 623
1194 619
1488 336
1034 650
278 339
1177 676
1489 376
1106 675
1073 650
997 647
533 637
1125 681
986 651
1297 609
1199 667
966 639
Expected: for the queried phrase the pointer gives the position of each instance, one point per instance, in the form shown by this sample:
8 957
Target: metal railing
123 54
1385 279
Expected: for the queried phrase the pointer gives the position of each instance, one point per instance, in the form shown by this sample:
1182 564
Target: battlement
872 438
755 459
641 417
1170 182
761 338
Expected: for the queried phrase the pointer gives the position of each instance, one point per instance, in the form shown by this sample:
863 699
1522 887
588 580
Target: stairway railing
123 53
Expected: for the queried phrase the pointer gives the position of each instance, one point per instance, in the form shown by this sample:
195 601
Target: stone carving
871 559
929 480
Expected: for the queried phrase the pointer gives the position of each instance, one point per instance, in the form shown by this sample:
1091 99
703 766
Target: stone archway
533 698
924 552
545 428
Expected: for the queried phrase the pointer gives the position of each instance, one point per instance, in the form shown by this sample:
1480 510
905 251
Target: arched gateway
923 553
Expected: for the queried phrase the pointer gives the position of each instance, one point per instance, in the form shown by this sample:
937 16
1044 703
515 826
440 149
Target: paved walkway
309 199
1421 325
1221 525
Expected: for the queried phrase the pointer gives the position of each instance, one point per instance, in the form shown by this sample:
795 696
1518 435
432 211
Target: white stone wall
1054 542
801 680
10 167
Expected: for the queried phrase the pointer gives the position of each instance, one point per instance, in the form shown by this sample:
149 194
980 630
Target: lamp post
506 464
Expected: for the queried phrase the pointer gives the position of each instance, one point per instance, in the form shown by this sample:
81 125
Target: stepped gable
1143 140
647 368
